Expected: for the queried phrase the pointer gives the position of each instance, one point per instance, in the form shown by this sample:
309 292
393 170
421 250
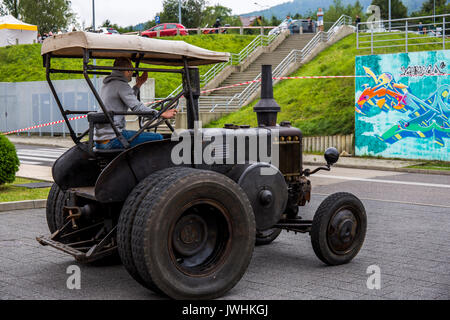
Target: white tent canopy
14 31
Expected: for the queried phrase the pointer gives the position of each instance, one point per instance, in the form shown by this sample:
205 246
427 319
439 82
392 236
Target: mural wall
402 105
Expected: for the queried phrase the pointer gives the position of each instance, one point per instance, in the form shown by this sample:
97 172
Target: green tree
48 15
441 7
9 163
274 21
211 13
398 10
107 23
191 12
12 7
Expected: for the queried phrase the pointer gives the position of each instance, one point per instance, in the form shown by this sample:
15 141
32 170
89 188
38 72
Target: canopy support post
73 135
191 85
100 102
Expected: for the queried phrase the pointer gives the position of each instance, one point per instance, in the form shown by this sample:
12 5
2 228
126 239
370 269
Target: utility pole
93 27
93 15
434 11
179 11
389 15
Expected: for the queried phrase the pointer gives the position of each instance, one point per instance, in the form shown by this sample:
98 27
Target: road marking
29 162
44 156
434 185
39 152
394 201
37 158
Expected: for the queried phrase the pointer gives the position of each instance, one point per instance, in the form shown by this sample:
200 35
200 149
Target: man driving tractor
118 96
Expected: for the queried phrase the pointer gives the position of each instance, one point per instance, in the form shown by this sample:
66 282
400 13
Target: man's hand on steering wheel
169 114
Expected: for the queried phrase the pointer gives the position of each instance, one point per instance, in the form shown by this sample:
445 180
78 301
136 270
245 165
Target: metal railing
235 59
404 33
293 57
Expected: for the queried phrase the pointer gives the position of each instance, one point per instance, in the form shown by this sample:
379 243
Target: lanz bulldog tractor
185 224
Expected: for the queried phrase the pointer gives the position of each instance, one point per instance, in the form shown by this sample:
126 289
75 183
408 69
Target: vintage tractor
184 213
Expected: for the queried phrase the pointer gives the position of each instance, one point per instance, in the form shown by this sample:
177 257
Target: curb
23 205
405 170
34 178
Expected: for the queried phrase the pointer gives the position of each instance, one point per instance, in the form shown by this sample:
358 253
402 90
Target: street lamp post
93 27
434 11
179 11
389 15
93 15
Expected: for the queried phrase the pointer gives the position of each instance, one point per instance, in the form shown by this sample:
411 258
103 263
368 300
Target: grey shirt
117 95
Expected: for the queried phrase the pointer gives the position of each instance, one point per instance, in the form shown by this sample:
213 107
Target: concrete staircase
219 101
273 58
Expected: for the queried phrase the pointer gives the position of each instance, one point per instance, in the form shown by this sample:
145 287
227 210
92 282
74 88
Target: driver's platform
85 192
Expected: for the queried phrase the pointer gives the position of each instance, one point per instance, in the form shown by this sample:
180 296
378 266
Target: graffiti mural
402 105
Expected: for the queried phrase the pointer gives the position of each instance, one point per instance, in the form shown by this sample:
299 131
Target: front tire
339 228
266 236
193 235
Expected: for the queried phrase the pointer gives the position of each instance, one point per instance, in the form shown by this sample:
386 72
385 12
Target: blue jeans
143 137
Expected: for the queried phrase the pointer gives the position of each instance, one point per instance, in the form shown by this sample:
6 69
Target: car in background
296 24
283 26
107 30
165 30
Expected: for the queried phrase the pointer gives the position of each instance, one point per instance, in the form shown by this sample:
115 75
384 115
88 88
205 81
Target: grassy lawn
9 192
319 106
24 62
433 165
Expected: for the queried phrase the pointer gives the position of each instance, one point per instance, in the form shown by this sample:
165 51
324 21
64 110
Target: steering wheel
158 119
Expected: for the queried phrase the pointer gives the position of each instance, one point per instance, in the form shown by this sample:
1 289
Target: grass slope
318 106
24 62
10 192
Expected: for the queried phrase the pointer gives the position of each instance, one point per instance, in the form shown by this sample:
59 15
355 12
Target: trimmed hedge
9 162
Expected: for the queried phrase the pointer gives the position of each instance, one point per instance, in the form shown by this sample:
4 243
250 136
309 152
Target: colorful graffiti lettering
425 119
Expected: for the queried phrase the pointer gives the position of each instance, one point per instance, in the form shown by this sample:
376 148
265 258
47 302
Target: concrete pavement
44 173
407 242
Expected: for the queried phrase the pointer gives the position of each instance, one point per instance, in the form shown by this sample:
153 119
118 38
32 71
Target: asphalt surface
407 238
38 155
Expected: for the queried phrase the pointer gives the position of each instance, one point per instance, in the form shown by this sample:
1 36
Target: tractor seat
94 118
108 151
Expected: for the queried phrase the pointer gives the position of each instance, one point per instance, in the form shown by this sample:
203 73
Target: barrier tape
216 89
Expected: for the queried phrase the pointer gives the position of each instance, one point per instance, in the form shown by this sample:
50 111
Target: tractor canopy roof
151 51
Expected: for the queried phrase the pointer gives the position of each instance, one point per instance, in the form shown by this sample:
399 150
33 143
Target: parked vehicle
107 30
165 30
102 30
283 26
184 229
303 23
215 30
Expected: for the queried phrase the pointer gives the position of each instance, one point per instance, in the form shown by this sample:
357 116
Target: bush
9 162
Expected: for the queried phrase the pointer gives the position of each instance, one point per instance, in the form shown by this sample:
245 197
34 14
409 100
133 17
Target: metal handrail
294 56
372 35
236 59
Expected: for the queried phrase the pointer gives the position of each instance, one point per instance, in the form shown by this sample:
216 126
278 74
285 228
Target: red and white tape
207 91
44 125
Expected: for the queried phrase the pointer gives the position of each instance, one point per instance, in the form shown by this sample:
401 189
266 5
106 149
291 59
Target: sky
137 11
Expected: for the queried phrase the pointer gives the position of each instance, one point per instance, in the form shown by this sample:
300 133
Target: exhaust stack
267 108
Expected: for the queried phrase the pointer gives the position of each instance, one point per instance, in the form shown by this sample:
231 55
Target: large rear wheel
193 234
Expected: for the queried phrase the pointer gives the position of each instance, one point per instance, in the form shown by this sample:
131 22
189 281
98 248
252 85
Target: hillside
317 106
24 62
305 7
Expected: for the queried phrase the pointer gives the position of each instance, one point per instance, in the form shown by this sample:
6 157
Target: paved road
407 238
37 155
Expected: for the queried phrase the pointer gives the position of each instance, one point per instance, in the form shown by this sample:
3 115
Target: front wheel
266 236
193 234
339 228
